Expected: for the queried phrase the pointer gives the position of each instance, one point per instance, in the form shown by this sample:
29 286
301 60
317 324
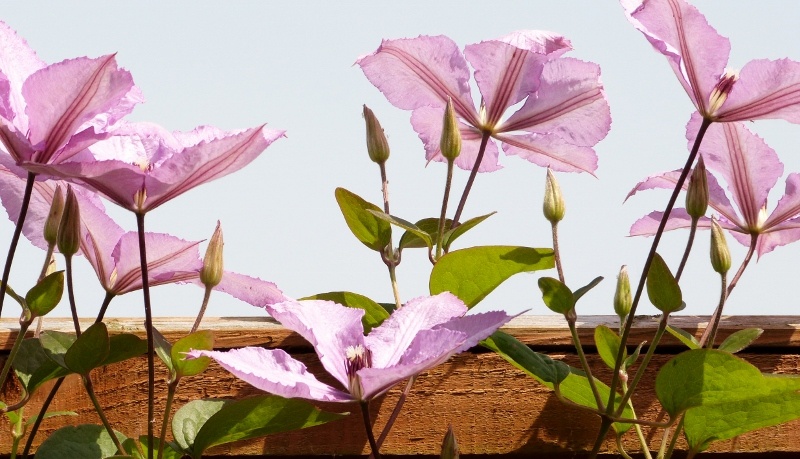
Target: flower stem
388 254
203 307
396 412
557 254
605 424
47 259
584 363
148 323
649 260
368 426
172 387
103 307
662 326
688 249
471 179
714 325
71 295
442 216
40 417
638 428
23 328
87 383
674 440
23 211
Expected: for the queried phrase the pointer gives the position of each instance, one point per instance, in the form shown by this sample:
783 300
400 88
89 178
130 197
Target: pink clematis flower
698 56
143 166
563 114
422 334
751 169
49 113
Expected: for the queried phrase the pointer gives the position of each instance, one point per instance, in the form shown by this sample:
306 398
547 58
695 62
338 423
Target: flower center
720 92
358 357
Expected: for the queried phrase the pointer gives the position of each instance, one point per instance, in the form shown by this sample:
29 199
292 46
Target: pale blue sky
289 64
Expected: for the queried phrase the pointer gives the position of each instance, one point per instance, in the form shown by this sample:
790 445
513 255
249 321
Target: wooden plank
493 407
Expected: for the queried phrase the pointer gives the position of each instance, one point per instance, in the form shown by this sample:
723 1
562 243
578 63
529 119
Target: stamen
358 357
720 92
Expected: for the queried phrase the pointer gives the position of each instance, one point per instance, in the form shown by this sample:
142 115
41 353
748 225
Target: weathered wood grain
493 407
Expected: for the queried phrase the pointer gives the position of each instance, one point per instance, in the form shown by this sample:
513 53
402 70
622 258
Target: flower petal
783 233
648 225
550 150
765 89
427 122
695 51
17 62
252 290
746 163
389 341
331 328
419 72
570 102
169 260
274 371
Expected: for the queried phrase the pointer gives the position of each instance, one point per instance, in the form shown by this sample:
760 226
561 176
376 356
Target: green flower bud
69 229
450 445
622 296
720 255
554 207
377 146
450 144
697 193
54 217
211 273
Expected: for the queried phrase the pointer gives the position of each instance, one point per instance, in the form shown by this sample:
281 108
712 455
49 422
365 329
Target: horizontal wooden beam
493 407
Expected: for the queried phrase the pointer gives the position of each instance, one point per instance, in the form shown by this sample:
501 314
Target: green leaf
123 347
229 421
406 225
724 396
45 295
607 342
583 290
473 273
89 350
10 292
374 313
662 288
557 296
138 450
458 231
740 340
163 349
540 366
366 227
684 337
632 358
572 383
202 340
85 441
50 414
56 344
33 367
409 240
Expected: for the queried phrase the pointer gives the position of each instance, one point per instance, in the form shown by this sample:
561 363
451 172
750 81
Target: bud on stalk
697 192
554 207
720 255
211 273
54 217
377 145
69 229
450 445
450 143
622 296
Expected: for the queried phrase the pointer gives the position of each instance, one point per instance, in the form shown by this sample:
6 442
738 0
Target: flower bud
54 217
554 207
720 255
622 296
450 445
211 273
697 194
377 146
69 229
450 144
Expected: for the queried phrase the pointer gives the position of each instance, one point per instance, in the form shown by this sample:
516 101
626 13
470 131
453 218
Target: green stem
621 448
17 432
601 436
203 307
675 436
47 258
40 417
688 249
649 260
396 412
368 426
172 387
473 173
723 295
87 383
103 307
148 323
557 254
584 363
638 428
71 295
442 216
662 326
388 255
12 248
23 328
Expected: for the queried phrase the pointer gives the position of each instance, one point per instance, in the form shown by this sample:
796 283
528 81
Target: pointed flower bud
450 144
622 296
450 445
54 217
377 145
697 194
554 207
720 255
69 230
211 273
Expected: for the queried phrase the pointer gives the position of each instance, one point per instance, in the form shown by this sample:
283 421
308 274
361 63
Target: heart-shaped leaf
123 347
202 340
556 296
409 240
473 273
85 441
607 342
45 295
33 366
406 225
684 337
740 340
662 288
89 351
55 345
366 227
